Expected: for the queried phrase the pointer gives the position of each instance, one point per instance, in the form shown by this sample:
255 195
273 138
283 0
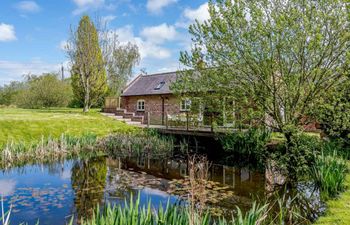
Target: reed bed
329 173
131 145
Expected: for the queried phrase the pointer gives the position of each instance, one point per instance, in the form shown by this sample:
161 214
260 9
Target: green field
23 125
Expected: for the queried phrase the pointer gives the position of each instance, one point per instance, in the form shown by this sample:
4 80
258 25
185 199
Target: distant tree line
43 91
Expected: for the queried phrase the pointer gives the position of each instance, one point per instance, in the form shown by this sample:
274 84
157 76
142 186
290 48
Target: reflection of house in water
241 179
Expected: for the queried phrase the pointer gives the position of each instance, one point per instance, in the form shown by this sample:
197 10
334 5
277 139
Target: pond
53 193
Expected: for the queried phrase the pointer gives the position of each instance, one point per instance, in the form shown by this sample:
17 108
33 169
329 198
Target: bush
329 173
247 146
44 91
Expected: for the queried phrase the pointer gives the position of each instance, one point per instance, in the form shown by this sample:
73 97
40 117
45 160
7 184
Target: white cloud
107 19
156 6
63 45
189 15
28 6
7 187
7 32
148 49
11 70
159 34
84 5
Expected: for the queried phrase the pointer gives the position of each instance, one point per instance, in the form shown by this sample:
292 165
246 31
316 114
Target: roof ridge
157 74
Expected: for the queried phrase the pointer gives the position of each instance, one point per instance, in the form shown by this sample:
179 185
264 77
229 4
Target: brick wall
153 104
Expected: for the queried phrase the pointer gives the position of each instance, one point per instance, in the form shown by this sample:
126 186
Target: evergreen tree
88 72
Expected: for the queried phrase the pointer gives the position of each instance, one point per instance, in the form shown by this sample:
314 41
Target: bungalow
148 97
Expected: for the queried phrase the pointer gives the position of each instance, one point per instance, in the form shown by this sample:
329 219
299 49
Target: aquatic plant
329 174
131 145
5 216
131 213
15 154
248 147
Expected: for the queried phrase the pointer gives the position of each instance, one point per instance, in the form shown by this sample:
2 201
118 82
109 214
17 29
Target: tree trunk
86 102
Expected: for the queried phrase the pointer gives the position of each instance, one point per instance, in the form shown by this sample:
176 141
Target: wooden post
187 120
166 121
119 100
148 119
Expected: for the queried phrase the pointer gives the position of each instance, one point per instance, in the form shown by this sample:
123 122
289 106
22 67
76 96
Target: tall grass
133 214
329 174
130 145
15 154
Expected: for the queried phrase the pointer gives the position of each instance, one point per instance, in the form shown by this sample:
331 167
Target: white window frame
186 106
139 105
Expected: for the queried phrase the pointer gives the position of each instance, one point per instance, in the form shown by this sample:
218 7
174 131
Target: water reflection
88 180
56 191
7 187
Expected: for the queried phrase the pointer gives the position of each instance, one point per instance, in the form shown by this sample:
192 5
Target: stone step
128 115
137 119
133 123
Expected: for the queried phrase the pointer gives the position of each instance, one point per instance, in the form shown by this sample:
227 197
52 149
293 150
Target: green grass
338 210
24 125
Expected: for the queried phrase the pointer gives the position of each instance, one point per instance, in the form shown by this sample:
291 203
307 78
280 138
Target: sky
33 33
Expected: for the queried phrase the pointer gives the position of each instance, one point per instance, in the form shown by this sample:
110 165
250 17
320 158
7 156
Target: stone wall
153 105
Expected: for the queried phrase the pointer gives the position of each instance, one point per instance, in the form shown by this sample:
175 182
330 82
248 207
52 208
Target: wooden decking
204 131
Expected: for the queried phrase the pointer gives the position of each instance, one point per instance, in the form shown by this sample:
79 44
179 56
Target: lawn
23 125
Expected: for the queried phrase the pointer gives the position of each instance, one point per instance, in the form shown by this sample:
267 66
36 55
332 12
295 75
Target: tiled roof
153 84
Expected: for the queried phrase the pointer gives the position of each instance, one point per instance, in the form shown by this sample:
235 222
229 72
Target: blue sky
32 33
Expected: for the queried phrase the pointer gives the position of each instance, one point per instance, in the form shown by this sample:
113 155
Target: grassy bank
338 210
23 125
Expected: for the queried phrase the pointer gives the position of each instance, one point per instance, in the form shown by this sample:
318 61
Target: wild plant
329 174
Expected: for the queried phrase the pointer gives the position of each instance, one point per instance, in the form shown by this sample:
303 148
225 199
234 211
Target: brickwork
153 105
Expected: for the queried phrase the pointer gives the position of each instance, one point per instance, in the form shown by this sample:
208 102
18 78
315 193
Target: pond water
52 193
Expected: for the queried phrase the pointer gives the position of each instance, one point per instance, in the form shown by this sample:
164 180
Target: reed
16 154
137 144
328 173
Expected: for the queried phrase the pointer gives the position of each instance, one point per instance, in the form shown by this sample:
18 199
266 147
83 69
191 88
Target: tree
119 59
8 92
45 91
280 56
333 111
88 72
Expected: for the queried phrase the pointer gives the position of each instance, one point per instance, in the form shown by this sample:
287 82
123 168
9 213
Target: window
141 105
160 85
185 105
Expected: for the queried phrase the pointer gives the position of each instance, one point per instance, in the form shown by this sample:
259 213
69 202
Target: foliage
247 146
9 92
338 210
44 91
28 126
15 154
279 56
120 60
329 174
300 155
131 213
88 73
333 112
137 144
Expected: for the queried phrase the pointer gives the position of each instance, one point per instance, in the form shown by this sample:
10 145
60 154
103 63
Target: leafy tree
279 56
333 111
119 60
8 92
46 91
88 72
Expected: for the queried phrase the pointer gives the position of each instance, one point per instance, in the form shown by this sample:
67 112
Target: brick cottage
150 95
